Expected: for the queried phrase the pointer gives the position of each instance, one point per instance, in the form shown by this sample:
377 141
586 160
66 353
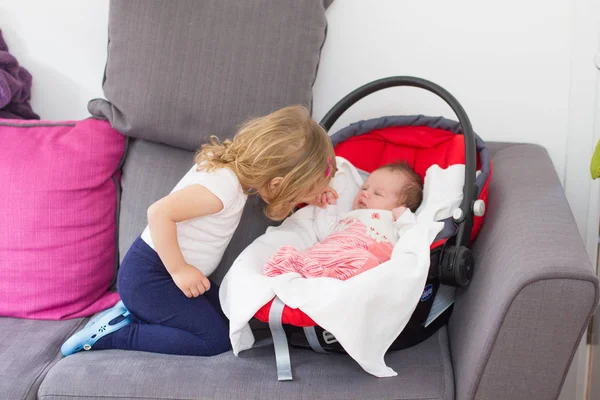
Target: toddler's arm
190 202
326 217
326 220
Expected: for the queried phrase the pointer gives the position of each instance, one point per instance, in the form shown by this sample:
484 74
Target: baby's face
381 191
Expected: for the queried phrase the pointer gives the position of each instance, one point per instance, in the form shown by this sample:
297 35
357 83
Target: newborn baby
361 239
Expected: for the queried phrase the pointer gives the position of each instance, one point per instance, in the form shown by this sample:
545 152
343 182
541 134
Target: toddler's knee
220 346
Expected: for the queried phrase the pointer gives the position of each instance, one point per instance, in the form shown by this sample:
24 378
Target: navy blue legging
163 319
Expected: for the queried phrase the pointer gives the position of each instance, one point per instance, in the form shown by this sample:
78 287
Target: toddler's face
381 191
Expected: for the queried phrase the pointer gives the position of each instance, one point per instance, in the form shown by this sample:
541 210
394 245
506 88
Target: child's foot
101 314
99 326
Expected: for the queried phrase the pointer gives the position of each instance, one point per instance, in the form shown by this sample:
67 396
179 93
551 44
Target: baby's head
390 186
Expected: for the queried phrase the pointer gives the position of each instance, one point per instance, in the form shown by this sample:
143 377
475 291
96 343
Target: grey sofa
512 334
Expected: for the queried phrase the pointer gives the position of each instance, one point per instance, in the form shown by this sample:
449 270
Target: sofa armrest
515 329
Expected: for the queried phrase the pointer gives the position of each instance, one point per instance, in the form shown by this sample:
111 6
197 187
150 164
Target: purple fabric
15 87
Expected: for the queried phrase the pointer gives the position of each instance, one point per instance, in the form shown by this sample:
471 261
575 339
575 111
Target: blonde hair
287 143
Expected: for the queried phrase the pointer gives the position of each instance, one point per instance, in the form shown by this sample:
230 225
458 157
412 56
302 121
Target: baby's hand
190 280
329 196
397 212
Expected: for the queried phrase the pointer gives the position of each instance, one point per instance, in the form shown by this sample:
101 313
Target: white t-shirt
203 239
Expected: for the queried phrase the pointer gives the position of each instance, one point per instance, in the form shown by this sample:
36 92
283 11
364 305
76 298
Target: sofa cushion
27 351
58 221
180 71
424 372
151 172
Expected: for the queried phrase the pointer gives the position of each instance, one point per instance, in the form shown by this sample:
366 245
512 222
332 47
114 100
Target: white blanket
365 313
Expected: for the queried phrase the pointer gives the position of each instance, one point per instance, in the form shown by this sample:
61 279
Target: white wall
63 45
522 70
506 62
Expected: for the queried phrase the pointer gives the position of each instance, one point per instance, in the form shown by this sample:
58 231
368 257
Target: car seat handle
465 223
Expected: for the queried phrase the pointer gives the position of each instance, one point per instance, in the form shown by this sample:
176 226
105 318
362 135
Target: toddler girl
169 305
361 239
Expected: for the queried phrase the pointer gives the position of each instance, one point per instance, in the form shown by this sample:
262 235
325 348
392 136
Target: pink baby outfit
355 242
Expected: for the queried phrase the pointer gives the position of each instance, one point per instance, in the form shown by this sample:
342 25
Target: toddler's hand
329 196
397 212
190 281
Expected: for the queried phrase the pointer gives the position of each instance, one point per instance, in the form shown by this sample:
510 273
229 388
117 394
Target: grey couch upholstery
503 341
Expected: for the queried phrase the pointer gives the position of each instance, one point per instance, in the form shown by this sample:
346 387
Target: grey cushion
151 171
27 350
180 71
514 330
424 372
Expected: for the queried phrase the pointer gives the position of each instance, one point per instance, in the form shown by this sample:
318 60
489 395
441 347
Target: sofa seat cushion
28 348
424 372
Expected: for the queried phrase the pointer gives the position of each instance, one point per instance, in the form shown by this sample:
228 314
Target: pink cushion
58 206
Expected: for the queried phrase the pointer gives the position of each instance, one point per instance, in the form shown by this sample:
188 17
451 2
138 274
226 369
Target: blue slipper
101 314
95 329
